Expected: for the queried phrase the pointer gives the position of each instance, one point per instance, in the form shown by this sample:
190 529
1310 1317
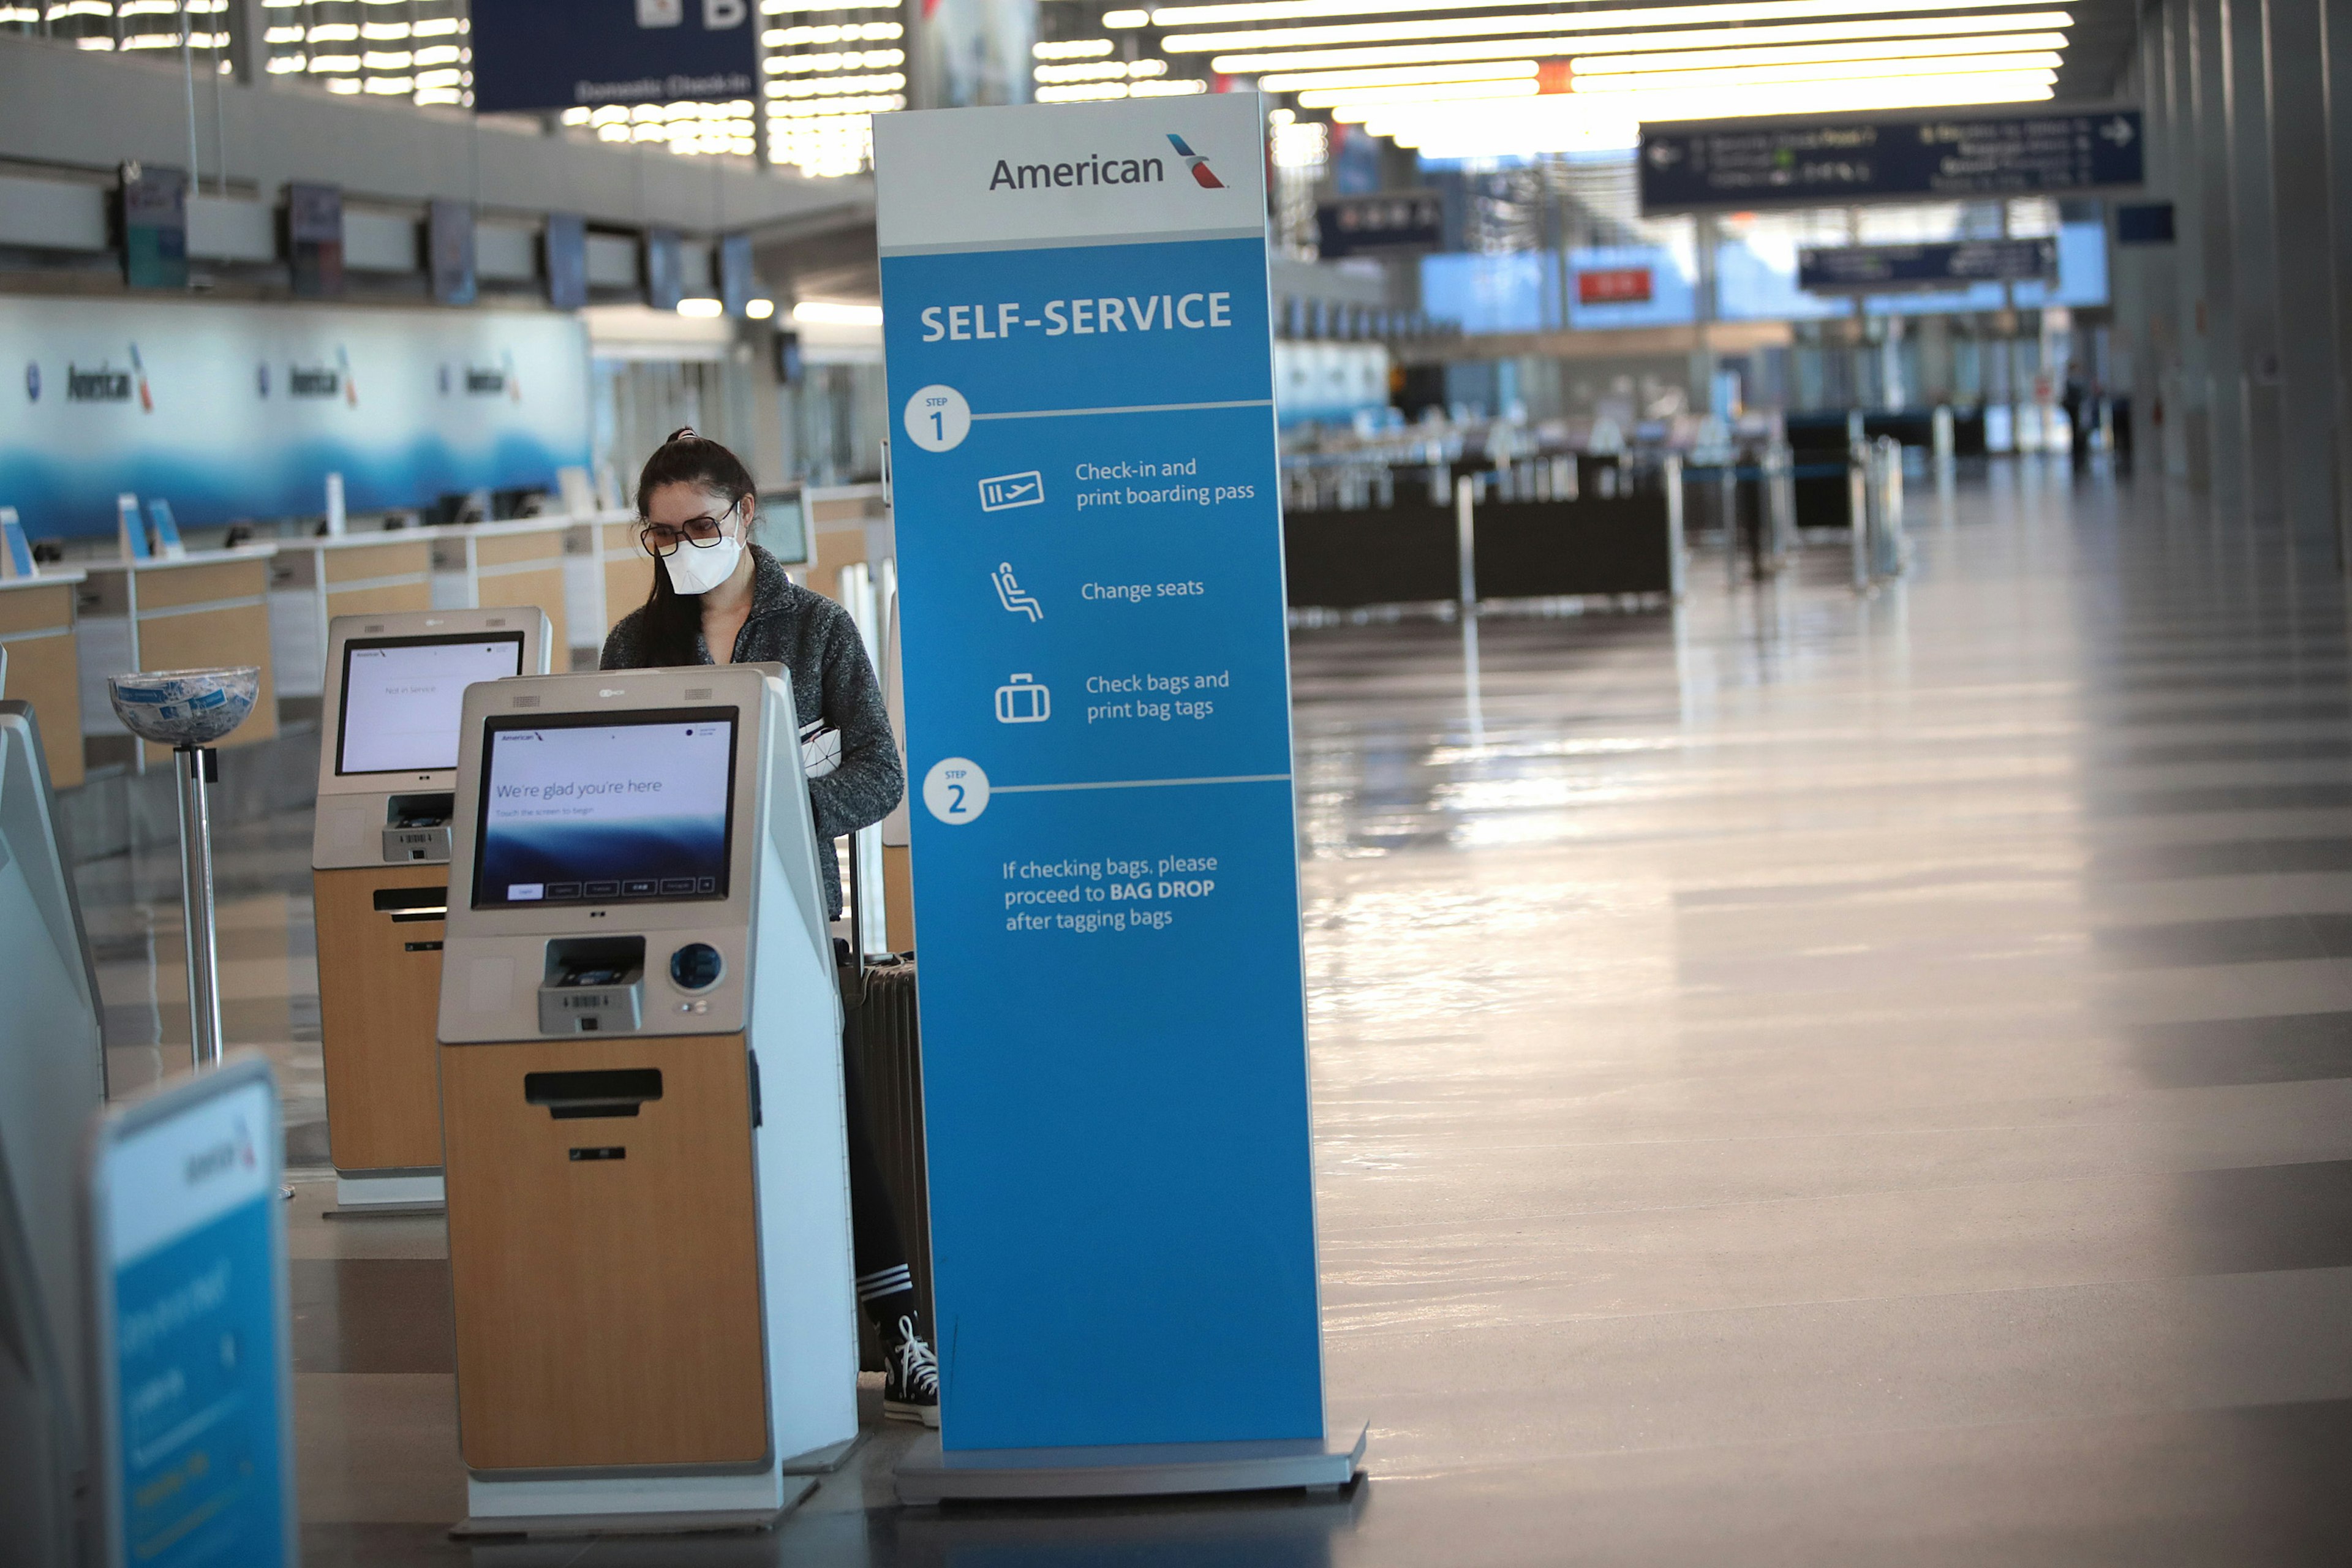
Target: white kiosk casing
379 860
642 1102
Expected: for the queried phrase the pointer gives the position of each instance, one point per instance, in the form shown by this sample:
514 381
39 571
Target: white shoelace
918 1368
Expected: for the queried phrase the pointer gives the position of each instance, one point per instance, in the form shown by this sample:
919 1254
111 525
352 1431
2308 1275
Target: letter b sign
717 16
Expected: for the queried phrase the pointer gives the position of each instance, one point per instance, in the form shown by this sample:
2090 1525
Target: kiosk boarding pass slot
418 829
595 985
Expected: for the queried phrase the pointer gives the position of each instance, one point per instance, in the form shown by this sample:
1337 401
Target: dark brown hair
672 620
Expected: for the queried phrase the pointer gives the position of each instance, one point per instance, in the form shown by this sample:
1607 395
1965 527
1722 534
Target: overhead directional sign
565 54
1895 269
1843 161
1398 220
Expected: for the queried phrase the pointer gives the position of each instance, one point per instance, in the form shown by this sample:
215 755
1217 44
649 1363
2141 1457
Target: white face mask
698 569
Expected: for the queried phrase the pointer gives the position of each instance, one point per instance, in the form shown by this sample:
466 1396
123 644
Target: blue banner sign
1738 166
1896 268
1097 705
196 1396
561 53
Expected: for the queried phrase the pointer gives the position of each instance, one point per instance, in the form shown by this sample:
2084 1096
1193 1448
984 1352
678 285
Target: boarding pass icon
1007 490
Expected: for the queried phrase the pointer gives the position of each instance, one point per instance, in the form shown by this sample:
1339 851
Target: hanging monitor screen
402 698
583 810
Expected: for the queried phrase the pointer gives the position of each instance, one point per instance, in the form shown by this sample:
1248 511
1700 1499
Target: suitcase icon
1024 702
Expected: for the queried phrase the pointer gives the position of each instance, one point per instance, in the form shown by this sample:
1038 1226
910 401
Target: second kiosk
641 1095
379 874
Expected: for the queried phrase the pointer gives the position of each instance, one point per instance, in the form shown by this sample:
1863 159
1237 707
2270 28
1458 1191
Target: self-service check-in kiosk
379 876
641 1100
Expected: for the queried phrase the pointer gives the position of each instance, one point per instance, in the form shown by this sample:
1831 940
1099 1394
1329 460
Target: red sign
1554 76
1614 286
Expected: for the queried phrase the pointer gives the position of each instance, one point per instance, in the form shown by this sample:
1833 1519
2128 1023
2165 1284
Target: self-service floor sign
379 876
194 1375
1084 463
641 1102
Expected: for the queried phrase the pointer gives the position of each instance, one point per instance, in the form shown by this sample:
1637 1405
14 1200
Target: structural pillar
2254 259
2195 411
2303 240
2217 241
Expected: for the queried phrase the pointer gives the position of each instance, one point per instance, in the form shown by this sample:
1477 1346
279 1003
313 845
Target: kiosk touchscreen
380 872
641 1098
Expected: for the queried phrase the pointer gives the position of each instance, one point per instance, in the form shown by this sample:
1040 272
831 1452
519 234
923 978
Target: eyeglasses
702 533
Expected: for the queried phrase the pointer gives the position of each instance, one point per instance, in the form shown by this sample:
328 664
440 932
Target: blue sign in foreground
195 1393
1098 726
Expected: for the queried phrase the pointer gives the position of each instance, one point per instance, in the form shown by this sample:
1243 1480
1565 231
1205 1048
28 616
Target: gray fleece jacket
854 775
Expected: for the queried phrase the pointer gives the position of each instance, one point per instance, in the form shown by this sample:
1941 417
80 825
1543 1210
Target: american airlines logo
1095 169
1197 163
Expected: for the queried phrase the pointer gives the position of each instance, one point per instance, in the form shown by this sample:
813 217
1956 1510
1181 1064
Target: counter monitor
402 698
580 809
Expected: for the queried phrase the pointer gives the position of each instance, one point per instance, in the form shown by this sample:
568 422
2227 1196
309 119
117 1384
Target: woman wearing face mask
719 599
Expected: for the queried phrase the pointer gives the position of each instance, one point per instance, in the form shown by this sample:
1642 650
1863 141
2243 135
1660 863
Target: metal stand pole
195 767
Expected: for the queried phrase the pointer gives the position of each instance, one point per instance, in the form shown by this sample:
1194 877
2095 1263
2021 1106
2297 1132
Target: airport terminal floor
1808 1079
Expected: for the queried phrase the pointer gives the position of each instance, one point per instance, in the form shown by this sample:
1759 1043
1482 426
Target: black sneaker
910 1378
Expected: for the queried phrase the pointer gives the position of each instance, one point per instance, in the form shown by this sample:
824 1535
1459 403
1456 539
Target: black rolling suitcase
883 1044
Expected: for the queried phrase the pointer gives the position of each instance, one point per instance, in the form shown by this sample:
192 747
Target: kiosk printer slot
380 877
641 1093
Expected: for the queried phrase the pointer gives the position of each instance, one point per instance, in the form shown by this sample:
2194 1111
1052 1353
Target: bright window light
1364 99
833 313
758 309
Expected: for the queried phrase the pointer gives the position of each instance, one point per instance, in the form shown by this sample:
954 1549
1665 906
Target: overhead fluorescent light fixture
700 308
834 314
1623 17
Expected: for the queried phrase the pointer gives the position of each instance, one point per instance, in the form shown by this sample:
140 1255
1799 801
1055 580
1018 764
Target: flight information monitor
587 810
404 698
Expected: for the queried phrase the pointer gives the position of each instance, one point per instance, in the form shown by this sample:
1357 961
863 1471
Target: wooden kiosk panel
379 985
605 1268
37 622
533 588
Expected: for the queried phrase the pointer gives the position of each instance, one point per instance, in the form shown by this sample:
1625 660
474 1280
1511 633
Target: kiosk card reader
641 1095
380 874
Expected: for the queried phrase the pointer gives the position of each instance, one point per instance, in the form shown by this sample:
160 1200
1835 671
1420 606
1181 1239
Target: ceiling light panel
1552 24
1625 43
1400 76
1173 16
1915 48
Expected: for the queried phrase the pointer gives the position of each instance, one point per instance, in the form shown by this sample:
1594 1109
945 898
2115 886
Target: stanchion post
1857 490
1465 542
196 767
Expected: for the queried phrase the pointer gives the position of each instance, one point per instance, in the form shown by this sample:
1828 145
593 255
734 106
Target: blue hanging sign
566 54
1740 166
195 1396
1097 709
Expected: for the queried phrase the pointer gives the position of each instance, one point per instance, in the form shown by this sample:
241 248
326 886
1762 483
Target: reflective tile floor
1805 1080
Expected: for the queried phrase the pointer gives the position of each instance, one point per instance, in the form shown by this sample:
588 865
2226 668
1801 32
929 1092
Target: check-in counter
313 581
493 565
204 609
623 572
37 629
